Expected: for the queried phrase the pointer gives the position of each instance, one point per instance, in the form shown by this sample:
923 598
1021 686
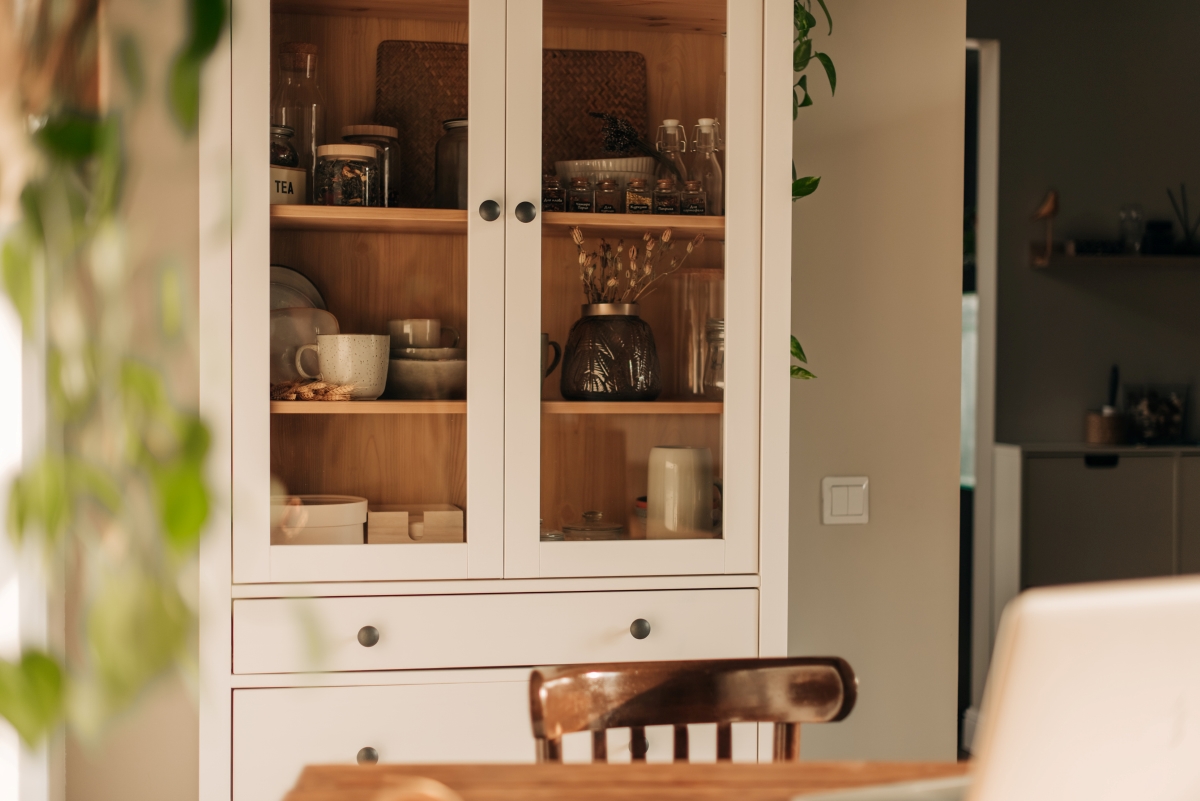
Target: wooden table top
590 782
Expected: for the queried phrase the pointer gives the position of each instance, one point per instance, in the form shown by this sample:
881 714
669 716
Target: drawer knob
367 756
368 636
526 211
640 628
489 210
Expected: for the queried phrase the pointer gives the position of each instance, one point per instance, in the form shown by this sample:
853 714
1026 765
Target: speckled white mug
357 359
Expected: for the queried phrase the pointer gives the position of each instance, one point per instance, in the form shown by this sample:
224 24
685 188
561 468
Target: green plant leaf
828 18
38 499
69 136
803 187
184 91
830 72
797 351
129 55
801 55
803 84
17 266
182 503
800 372
31 695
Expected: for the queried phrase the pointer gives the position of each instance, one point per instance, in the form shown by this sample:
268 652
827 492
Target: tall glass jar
672 143
299 103
705 166
714 361
450 173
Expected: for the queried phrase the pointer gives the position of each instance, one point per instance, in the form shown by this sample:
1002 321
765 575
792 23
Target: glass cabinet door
368 416
633 294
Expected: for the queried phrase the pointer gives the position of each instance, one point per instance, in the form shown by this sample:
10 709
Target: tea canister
386 141
347 175
288 182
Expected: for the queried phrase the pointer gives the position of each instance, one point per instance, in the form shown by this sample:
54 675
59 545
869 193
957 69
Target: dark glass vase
610 356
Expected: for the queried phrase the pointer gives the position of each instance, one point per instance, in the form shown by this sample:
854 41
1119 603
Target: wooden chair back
598 697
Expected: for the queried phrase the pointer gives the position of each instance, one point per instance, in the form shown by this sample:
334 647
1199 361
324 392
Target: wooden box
414 523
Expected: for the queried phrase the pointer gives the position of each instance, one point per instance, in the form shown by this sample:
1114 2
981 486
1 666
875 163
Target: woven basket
418 85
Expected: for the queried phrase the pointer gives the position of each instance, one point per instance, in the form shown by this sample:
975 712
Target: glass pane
632 272
375 97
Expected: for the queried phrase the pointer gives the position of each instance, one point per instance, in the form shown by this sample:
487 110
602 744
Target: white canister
288 186
679 504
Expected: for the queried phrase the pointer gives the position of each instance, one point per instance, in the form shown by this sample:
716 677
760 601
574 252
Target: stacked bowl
420 367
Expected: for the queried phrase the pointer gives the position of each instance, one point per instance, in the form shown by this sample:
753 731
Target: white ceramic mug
679 503
360 360
419 333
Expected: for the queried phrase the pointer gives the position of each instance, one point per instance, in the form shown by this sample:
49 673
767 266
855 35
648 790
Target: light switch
844 499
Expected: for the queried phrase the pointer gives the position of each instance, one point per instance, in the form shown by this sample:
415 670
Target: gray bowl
414 379
429 354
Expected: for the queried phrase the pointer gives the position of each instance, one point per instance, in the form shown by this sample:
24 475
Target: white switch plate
845 500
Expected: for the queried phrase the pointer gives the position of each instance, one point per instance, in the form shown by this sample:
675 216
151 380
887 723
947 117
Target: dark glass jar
610 356
581 198
692 201
554 197
608 197
450 166
666 197
283 153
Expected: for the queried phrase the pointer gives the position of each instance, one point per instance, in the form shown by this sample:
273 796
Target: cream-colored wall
877 277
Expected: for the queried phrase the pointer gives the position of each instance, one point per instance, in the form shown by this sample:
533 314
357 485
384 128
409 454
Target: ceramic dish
291 329
286 297
289 277
414 379
620 170
429 354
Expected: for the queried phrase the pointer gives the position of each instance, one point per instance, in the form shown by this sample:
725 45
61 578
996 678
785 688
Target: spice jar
714 360
666 197
283 154
347 175
554 197
450 170
638 199
608 197
692 199
580 198
386 141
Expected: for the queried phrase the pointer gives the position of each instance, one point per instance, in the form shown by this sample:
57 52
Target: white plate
286 297
290 329
289 277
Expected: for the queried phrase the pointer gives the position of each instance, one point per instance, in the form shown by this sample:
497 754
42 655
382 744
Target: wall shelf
370 407
632 226
1061 260
634 407
367 220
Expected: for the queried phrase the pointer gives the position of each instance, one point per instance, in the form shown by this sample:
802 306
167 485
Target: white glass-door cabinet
581 542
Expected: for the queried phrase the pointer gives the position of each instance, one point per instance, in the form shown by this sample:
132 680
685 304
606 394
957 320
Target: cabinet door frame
525 556
254 559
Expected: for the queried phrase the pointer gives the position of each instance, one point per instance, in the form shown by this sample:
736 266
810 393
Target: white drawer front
288 635
277 732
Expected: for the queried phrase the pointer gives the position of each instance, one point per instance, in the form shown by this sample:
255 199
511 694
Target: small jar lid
608 183
666 183
693 186
370 130
346 151
579 181
457 122
637 183
282 130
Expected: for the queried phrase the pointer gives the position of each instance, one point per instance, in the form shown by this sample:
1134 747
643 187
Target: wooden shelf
634 407
697 16
351 219
1061 260
632 226
369 407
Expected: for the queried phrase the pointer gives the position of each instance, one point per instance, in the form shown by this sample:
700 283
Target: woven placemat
418 85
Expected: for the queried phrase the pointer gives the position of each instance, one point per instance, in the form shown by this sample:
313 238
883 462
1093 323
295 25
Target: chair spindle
681 743
786 746
600 746
638 746
724 742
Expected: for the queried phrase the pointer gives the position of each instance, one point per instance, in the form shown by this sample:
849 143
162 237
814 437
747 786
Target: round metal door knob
526 211
489 210
640 629
368 636
367 756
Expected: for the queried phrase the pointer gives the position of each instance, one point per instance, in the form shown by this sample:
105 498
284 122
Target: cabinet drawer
276 732
287 635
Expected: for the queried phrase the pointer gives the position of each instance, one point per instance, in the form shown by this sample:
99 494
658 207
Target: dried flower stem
606 279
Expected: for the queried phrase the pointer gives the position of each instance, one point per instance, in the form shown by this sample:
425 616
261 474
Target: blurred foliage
117 500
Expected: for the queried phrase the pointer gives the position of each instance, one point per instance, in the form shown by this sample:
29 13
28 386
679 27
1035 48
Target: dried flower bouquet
613 275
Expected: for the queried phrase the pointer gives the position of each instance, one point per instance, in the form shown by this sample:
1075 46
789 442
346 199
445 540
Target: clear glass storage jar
386 141
299 103
450 170
347 175
714 361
